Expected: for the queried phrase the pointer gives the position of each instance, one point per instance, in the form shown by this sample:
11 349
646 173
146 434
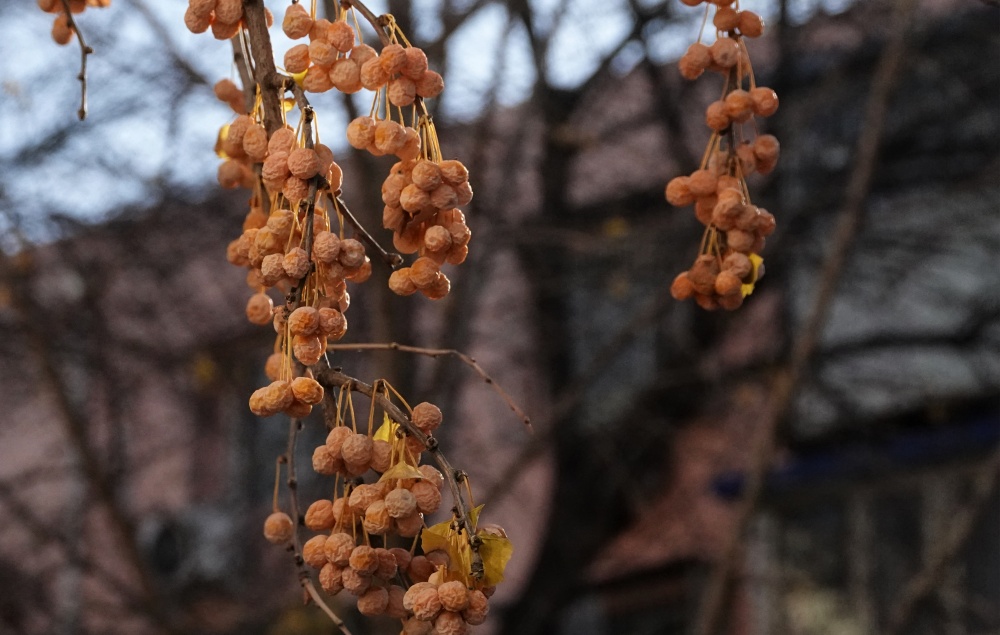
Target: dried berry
312 552
428 497
423 601
319 516
331 578
338 548
373 601
426 416
449 623
278 528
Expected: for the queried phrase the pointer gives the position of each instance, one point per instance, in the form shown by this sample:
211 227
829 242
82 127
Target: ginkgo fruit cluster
728 264
369 530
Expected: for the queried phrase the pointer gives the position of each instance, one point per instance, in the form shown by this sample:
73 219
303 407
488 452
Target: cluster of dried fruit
431 592
223 17
728 264
62 29
294 243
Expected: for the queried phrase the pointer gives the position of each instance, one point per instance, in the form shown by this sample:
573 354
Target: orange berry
341 36
312 552
362 53
377 520
737 264
319 516
322 53
426 416
224 30
682 288
401 92
278 528
479 607
695 60
346 76
331 578
725 52
454 596
255 143
374 601
422 599
702 274
352 253
740 241
297 58
716 116
409 526
766 148
726 19
449 623
229 11
415 64
308 349
764 100
427 496
194 22
678 192
307 390
303 163
702 183
357 450
372 75
389 136
400 282
260 309
751 24
739 106
430 84
317 80
338 549
332 323
297 22
304 321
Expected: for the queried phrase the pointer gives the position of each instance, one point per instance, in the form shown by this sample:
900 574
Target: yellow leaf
223 133
298 77
288 103
401 470
440 536
387 431
495 552
756 261
474 516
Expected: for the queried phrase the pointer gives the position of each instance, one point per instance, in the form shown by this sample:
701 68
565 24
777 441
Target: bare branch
435 353
84 52
960 526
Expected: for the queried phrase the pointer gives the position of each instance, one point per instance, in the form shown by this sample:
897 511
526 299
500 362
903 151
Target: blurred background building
134 481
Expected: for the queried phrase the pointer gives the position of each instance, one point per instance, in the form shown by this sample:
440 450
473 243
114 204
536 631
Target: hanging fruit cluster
358 526
372 539
728 264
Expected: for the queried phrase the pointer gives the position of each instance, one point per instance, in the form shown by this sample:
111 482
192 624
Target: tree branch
435 353
84 52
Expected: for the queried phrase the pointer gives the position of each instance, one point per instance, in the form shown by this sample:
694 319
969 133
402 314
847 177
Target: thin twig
305 579
392 259
716 591
332 378
435 353
84 52
960 526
